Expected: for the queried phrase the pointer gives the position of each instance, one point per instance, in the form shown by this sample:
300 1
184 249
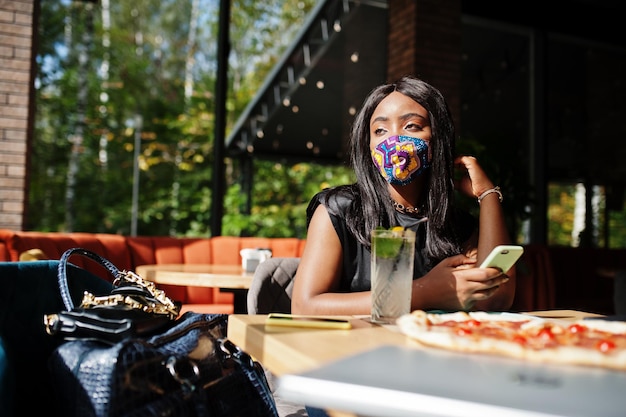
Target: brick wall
16 40
401 59
425 41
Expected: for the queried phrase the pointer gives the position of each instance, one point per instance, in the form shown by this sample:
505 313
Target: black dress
356 257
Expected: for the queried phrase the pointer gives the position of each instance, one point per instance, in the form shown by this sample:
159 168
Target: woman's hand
492 231
455 284
473 180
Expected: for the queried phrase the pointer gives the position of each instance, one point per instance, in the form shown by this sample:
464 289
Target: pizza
591 342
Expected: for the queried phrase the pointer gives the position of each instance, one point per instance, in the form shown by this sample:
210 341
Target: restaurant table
291 350
230 278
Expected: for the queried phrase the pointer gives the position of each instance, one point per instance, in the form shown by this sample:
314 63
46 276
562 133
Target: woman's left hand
473 180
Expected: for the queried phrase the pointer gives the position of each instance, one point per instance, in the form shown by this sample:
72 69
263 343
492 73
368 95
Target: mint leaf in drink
387 242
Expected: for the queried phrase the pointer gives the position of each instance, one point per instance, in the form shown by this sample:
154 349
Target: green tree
147 65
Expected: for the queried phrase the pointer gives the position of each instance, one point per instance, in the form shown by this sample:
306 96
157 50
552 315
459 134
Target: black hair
372 205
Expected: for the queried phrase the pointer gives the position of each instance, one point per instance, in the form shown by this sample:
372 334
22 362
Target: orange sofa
129 252
548 277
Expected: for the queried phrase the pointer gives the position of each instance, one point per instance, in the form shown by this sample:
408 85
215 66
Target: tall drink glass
392 273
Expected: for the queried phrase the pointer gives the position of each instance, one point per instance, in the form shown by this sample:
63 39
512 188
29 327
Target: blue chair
29 291
6 383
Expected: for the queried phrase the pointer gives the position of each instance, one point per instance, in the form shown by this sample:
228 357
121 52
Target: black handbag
134 307
187 368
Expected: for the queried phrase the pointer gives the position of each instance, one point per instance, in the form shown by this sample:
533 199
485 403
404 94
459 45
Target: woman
403 155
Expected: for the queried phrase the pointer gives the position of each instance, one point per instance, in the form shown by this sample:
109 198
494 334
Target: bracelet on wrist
491 191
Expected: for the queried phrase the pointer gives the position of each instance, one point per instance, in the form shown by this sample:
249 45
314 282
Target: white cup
251 258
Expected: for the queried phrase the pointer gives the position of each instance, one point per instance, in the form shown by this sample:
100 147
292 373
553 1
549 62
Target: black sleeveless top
356 257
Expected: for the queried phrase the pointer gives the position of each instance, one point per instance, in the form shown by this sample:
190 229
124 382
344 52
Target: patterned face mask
401 159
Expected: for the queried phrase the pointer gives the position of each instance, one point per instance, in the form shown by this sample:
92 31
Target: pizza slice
585 342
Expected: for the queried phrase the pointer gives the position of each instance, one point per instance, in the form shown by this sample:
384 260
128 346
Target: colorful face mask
401 159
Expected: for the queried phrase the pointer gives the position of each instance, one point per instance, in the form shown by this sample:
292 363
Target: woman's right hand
455 284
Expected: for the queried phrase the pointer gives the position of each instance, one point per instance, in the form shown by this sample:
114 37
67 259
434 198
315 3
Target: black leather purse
134 307
125 356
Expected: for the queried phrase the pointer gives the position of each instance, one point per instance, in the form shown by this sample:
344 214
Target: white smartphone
503 257
292 320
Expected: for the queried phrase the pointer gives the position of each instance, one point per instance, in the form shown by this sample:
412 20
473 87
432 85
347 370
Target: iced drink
392 273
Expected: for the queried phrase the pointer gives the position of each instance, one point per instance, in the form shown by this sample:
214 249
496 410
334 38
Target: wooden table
289 350
293 350
232 278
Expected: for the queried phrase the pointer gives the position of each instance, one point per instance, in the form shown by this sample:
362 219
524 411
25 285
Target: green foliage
141 73
280 196
561 215
617 228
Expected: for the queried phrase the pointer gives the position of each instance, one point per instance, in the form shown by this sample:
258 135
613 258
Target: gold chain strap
164 304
